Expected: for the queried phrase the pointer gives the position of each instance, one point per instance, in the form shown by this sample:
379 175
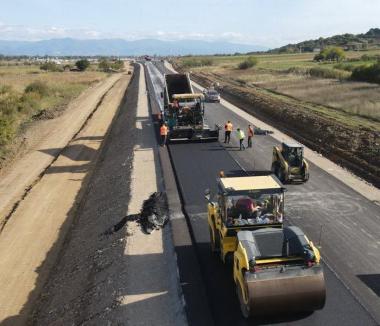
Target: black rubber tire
274 168
244 307
280 175
214 243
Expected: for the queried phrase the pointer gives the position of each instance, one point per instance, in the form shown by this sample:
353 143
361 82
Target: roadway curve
324 200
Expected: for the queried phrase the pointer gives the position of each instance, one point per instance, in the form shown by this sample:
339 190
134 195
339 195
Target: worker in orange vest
227 132
250 133
163 134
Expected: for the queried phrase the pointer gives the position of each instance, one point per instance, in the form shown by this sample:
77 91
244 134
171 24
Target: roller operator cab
243 203
276 269
289 164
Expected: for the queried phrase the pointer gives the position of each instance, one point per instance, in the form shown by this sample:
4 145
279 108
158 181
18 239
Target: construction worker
250 133
176 104
163 134
228 127
241 137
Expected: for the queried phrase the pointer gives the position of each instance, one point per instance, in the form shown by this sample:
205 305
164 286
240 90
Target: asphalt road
350 225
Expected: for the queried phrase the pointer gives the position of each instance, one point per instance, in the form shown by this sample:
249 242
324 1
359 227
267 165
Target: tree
319 57
335 54
50 66
104 65
330 54
82 64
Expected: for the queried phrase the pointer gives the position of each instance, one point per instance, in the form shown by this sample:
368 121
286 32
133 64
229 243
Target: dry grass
352 97
20 76
287 74
18 106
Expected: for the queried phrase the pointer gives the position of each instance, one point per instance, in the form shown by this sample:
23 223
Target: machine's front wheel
244 306
214 240
280 174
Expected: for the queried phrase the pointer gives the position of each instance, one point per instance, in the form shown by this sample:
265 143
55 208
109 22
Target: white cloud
28 33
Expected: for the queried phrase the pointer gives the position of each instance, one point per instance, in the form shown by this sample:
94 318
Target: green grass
25 91
325 88
279 62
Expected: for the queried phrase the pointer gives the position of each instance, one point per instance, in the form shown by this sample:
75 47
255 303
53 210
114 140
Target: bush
37 87
368 73
206 62
328 73
197 62
105 65
344 66
367 57
248 63
297 71
319 57
117 64
330 54
6 89
50 66
8 112
82 64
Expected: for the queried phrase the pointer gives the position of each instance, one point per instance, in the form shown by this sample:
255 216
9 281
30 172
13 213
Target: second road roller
276 268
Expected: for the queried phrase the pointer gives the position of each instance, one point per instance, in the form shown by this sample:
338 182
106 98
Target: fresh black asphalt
196 166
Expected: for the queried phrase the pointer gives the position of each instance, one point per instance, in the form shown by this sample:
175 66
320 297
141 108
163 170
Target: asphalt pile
153 215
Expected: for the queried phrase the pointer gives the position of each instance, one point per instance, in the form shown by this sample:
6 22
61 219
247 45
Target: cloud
29 33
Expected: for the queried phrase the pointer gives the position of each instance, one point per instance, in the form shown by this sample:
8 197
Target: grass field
50 93
298 76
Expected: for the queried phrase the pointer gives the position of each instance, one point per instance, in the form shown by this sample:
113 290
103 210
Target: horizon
271 24
172 40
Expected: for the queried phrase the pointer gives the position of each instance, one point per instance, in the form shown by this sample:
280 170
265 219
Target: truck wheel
280 175
244 306
214 241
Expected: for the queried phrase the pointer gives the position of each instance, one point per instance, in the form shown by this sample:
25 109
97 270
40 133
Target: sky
268 23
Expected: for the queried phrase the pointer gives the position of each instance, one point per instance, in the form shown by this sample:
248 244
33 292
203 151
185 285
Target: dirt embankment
357 149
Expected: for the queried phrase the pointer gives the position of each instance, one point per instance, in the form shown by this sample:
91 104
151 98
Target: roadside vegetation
106 65
191 62
330 54
248 63
346 81
32 92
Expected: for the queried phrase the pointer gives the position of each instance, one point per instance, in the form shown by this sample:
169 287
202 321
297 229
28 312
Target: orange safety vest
228 126
250 132
163 130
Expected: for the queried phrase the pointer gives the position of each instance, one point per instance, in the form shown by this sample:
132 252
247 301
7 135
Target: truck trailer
184 111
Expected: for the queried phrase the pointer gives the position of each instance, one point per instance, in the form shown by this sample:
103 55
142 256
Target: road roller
276 268
277 271
243 203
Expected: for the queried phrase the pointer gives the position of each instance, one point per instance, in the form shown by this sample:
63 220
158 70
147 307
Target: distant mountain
69 46
371 39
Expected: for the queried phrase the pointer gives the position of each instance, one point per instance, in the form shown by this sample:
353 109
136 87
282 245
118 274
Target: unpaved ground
357 149
125 277
32 237
24 170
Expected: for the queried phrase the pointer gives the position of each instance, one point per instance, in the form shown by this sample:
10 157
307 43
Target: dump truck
289 164
184 111
276 269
